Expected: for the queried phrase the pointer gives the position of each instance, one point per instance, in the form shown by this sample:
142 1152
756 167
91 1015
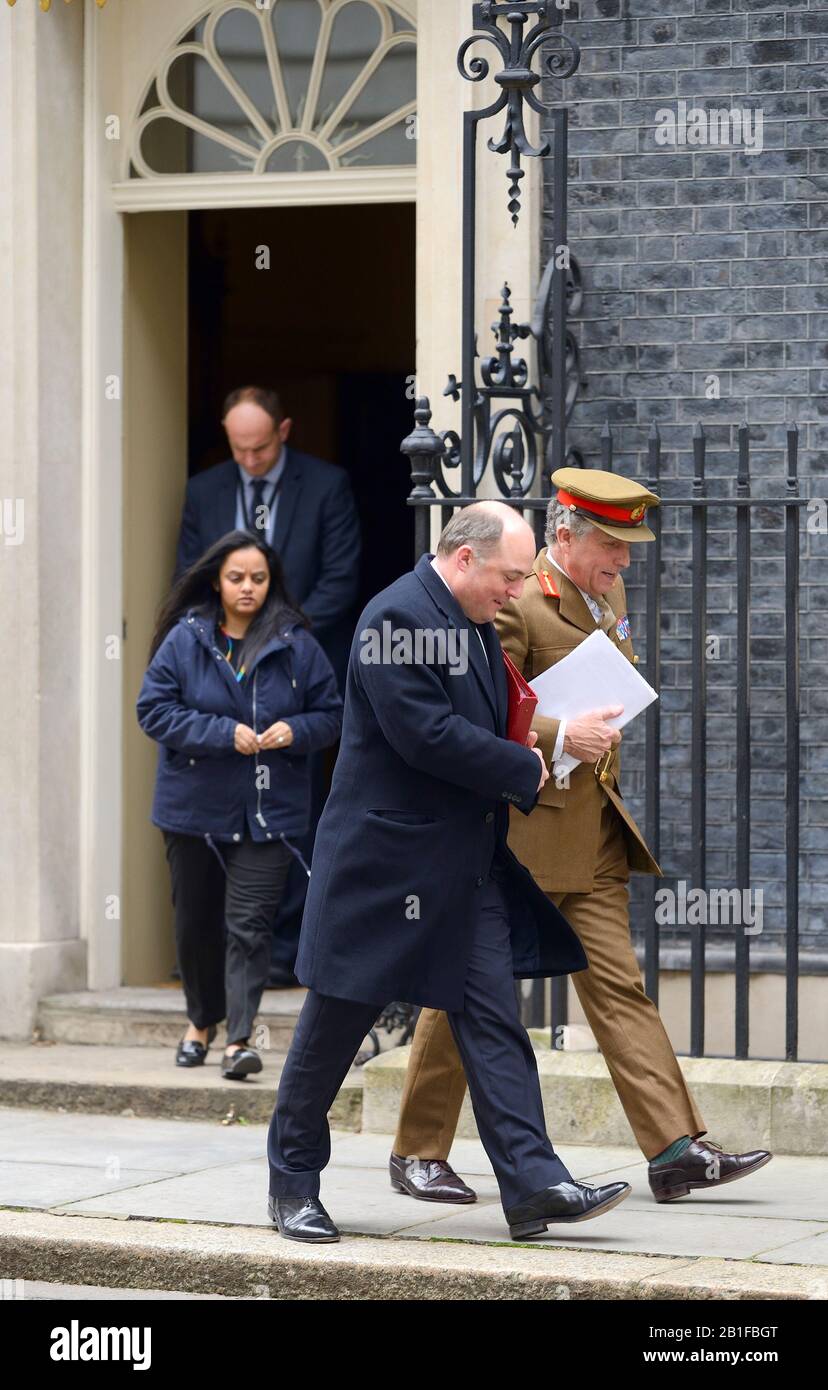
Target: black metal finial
516 78
423 448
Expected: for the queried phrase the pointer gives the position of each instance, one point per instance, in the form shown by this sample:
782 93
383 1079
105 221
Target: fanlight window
293 86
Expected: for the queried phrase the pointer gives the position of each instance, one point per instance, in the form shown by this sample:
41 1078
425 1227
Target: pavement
194 1197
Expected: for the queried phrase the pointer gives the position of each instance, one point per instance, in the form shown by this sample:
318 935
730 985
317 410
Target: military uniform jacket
559 841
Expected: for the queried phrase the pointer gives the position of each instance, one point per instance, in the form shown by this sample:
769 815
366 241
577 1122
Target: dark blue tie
257 488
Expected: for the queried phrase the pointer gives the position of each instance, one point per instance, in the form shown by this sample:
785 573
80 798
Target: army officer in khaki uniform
580 843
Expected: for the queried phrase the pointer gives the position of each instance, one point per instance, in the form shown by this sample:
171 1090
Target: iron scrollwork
516 78
544 328
504 378
502 414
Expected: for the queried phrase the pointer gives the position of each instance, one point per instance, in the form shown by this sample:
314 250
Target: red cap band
623 516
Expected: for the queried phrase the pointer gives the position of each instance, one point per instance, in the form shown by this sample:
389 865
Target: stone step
250 1262
145 1081
153 1015
746 1104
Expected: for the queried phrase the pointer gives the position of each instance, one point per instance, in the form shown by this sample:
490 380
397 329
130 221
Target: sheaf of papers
594 675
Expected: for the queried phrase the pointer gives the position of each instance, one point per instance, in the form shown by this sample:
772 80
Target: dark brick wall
700 261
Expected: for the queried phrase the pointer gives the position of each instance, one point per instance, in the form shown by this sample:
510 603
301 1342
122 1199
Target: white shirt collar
451 591
442 576
271 476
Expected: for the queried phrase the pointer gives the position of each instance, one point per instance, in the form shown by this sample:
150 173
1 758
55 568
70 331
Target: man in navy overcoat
414 893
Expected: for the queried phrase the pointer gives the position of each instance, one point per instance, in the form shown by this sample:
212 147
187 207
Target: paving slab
807 1250
53 1184
28 1136
209 1174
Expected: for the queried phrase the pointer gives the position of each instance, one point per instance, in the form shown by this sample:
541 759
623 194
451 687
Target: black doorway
330 324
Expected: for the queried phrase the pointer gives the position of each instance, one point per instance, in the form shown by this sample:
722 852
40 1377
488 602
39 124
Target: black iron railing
425 451
510 444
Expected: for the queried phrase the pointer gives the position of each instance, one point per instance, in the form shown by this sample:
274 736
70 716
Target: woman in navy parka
237 693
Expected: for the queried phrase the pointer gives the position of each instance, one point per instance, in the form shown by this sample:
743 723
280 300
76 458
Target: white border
167 193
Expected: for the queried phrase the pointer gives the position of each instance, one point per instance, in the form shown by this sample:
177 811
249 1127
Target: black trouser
223 923
284 940
498 1059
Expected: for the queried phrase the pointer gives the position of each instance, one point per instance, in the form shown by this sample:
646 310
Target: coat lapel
289 494
609 621
572 605
494 652
573 608
448 605
225 502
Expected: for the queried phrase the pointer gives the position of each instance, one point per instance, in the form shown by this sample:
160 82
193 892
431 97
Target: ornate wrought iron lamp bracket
503 395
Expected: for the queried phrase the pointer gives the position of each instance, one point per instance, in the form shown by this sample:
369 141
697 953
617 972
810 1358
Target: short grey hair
559 515
482 530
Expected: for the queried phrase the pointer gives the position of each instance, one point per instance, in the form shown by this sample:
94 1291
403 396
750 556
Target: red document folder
522 703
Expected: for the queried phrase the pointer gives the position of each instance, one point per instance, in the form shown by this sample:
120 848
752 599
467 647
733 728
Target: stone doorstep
110 1080
255 1263
149 1016
781 1106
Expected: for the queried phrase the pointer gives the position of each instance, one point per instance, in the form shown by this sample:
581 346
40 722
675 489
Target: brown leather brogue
430 1179
703 1165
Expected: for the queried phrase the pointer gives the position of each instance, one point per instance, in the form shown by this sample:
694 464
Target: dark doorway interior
331 326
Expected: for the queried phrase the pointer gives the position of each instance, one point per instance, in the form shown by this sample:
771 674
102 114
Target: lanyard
228 655
249 526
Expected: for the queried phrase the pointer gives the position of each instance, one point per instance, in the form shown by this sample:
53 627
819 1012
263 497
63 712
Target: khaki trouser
624 1021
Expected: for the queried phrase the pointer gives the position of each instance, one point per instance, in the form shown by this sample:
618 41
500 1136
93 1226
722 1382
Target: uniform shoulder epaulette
547 584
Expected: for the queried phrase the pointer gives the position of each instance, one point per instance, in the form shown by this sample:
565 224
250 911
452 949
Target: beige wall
41 167
155 475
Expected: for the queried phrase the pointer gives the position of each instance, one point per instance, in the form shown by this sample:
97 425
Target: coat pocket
402 817
551 794
176 761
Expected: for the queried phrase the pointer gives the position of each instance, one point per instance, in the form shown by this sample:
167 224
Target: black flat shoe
191 1053
565 1202
237 1065
302 1218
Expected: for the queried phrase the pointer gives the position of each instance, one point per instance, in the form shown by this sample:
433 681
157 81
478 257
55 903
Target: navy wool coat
416 813
190 702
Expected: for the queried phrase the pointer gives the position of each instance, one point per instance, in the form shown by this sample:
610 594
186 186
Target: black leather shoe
566 1202
430 1179
302 1218
237 1065
701 1166
191 1053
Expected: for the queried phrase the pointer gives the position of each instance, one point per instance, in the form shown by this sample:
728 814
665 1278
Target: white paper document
594 675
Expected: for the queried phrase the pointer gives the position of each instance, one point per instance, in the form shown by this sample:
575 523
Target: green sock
675 1150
